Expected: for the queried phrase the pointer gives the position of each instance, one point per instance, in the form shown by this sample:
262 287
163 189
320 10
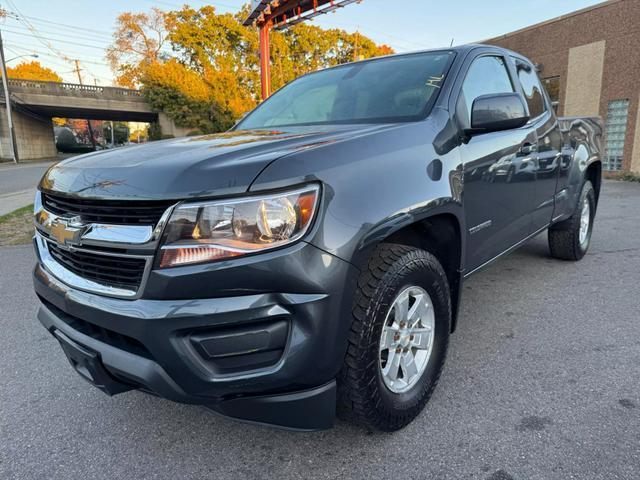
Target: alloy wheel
407 338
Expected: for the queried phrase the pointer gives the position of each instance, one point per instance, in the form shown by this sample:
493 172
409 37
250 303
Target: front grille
114 212
119 272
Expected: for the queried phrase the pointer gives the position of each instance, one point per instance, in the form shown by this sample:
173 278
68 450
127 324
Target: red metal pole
265 67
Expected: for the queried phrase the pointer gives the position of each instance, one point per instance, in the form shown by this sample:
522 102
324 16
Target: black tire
363 397
564 237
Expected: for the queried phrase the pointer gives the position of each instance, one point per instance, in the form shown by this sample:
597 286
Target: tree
33 71
310 48
138 40
211 75
184 96
222 51
120 132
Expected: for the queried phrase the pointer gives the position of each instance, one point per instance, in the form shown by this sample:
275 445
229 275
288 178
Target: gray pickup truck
311 259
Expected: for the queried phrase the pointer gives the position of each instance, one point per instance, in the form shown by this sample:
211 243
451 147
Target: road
542 382
24 176
18 184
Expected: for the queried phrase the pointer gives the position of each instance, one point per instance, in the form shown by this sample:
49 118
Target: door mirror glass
496 112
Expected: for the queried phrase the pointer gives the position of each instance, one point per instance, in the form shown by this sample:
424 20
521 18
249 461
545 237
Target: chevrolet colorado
310 260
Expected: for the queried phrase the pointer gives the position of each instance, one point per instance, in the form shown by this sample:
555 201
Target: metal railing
74 90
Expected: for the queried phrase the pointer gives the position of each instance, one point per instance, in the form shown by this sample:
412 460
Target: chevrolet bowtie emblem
67 231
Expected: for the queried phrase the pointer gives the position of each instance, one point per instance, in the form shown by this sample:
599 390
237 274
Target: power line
205 2
39 52
49 62
16 16
47 41
87 37
56 40
379 32
36 34
84 62
66 57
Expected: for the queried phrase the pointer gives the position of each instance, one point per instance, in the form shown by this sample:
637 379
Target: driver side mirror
497 112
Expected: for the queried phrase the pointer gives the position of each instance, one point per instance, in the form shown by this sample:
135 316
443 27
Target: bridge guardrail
73 89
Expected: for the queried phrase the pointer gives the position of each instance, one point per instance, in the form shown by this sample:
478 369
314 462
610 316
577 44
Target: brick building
590 61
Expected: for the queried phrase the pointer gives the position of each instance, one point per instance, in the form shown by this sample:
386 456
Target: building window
552 85
615 132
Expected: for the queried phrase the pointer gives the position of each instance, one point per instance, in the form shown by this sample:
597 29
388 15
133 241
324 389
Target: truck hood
208 165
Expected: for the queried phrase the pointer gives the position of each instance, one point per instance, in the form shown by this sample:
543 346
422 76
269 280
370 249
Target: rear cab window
531 87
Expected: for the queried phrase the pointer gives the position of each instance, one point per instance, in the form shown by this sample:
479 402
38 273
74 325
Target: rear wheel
570 239
398 339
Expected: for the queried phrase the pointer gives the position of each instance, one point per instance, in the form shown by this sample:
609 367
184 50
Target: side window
531 86
486 75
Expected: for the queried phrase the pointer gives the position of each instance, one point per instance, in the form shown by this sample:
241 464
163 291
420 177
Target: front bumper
264 354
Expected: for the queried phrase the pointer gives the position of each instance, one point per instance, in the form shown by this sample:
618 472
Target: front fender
373 185
387 227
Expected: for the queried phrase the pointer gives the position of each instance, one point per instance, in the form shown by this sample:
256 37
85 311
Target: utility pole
265 65
356 52
89 127
7 101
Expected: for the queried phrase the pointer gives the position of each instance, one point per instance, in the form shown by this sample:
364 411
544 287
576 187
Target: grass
16 228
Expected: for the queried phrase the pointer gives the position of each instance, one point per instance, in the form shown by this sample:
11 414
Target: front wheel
570 239
398 338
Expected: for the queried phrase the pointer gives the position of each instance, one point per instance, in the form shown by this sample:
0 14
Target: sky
59 31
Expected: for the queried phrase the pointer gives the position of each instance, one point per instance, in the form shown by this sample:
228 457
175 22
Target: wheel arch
593 173
439 233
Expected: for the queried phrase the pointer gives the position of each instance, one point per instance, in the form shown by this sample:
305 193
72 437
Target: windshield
386 90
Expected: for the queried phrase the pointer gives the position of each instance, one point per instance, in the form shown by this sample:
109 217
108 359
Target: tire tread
564 242
357 399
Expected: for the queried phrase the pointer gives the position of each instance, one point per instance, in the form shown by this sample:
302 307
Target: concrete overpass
35 103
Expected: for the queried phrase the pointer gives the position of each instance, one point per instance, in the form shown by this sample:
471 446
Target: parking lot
542 382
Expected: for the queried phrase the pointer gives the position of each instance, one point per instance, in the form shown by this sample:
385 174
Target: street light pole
7 101
89 128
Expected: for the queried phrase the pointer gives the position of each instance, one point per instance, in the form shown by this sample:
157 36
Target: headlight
218 230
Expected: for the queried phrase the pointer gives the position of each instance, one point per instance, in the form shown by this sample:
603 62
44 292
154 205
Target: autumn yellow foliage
33 71
175 75
202 67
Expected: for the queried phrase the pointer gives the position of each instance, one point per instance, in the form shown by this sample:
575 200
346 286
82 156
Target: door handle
528 149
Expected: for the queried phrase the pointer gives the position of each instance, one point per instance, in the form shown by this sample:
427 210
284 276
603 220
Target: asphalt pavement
542 382
18 184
